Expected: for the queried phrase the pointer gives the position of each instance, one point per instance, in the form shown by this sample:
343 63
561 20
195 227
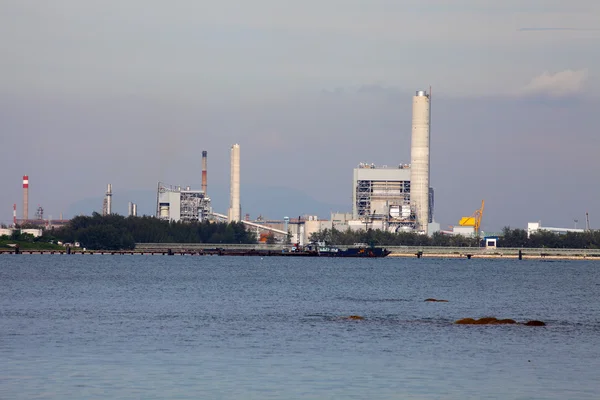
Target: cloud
561 84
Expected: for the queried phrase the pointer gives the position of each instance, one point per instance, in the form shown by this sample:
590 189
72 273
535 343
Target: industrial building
534 227
174 203
382 194
398 198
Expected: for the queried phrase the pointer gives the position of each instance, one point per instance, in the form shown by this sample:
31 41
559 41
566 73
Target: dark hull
374 252
367 253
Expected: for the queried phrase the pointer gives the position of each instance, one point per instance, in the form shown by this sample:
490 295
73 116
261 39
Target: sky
130 92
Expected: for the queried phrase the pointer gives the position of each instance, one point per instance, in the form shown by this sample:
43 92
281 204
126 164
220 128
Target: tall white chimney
109 199
419 159
235 210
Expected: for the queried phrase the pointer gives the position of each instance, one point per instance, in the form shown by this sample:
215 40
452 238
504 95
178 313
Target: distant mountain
270 202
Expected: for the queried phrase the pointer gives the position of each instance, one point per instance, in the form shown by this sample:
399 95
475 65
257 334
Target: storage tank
164 211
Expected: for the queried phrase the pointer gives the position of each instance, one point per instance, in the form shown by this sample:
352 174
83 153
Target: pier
264 250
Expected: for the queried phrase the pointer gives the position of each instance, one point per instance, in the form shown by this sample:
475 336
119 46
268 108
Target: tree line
508 238
116 232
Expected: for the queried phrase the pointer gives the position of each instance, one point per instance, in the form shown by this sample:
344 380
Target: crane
474 220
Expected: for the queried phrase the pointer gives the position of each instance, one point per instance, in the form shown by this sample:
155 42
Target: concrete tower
235 210
25 197
204 179
109 199
419 159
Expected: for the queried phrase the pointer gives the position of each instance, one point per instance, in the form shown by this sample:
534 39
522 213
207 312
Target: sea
210 327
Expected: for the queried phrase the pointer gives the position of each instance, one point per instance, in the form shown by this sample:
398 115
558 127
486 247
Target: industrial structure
235 209
533 227
25 197
470 226
131 209
174 203
398 198
419 159
382 195
204 171
107 203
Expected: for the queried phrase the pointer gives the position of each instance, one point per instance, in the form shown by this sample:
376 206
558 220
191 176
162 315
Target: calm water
157 327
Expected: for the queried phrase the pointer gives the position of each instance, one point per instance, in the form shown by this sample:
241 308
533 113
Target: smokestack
14 215
109 199
204 182
25 198
235 209
134 210
419 157
129 209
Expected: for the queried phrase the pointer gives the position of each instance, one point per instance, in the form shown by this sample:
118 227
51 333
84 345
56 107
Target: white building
533 227
176 204
6 231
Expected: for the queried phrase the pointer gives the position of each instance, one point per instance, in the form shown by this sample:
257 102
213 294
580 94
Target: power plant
398 198
174 203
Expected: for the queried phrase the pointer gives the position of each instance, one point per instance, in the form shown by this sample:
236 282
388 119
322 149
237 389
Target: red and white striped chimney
25 197
204 182
15 215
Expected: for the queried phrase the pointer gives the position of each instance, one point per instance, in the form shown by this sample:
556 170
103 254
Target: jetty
265 250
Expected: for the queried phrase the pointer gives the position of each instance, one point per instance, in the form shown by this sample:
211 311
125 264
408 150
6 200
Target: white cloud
561 84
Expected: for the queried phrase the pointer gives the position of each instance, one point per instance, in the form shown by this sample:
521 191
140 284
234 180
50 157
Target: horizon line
556 29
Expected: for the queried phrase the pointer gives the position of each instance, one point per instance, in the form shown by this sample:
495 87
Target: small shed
490 242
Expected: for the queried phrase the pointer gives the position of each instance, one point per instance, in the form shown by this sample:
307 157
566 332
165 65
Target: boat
324 250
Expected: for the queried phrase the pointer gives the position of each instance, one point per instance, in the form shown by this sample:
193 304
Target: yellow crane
474 220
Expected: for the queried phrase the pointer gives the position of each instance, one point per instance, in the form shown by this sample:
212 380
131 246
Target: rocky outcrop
485 321
354 317
535 323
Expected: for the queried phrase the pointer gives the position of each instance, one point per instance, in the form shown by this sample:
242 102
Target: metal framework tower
39 214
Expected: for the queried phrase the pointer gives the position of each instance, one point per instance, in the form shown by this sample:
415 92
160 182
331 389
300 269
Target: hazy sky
130 92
